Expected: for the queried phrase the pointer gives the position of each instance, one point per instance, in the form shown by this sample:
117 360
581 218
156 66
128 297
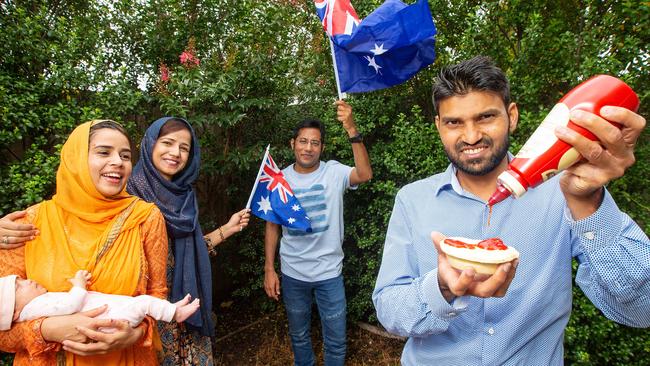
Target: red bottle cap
499 195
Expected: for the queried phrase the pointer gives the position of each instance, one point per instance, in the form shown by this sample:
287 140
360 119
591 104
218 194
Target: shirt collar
321 166
449 180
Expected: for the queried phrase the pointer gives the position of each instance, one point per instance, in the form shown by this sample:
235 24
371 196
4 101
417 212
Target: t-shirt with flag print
318 255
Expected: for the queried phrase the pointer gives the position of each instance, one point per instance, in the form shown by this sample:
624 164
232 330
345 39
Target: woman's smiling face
171 152
109 161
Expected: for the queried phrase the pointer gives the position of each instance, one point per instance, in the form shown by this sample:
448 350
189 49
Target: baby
22 300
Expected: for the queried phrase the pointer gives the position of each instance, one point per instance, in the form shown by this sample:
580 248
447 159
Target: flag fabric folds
273 199
386 48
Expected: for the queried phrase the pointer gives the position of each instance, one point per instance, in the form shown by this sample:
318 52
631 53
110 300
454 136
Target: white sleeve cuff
431 295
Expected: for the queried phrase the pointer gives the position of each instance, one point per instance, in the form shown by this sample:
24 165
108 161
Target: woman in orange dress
91 223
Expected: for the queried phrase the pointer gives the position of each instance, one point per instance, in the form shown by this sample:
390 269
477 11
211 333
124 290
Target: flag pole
257 179
336 70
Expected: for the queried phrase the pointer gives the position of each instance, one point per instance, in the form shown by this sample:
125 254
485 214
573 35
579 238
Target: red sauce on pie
459 244
492 244
487 244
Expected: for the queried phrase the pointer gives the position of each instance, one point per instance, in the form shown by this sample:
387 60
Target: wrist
269 268
582 206
445 291
447 294
221 233
45 334
233 229
49 331
227 230
138 334
358 138
352 132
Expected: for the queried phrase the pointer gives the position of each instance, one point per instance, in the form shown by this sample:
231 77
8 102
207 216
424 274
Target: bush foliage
260 66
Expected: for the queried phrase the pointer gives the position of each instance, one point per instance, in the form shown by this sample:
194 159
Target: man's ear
436 120
322 149
513 115
292 142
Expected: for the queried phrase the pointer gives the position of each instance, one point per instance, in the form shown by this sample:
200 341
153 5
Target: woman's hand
238 221
101 343
80 333
14 235
60 328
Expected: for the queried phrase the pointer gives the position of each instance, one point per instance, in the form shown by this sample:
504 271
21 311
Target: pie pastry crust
482 260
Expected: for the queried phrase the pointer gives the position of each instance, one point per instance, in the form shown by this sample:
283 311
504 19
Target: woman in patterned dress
169 164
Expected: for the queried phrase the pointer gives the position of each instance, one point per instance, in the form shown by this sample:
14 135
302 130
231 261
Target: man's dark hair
477 74
310 123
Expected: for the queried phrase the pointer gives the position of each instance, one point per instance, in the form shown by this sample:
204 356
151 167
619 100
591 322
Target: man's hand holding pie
455 282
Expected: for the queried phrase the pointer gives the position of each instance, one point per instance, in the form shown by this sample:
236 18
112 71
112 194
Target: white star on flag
291 220
378 50
295 208
373 63
265 205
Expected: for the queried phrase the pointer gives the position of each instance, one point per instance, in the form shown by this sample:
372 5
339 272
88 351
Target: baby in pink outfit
22 300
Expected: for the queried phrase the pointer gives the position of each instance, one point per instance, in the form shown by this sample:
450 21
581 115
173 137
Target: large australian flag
273 199
386 48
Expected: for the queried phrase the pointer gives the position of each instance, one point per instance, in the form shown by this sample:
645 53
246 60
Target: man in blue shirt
311 263
460 318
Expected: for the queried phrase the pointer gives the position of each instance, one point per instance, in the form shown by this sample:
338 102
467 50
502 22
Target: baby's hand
81 279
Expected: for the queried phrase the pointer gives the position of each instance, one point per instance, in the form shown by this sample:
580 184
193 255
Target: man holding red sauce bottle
463 318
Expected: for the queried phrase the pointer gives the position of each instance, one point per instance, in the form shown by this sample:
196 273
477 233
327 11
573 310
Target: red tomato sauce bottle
544 155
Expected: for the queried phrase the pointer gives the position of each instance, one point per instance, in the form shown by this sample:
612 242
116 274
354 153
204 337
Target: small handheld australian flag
273 199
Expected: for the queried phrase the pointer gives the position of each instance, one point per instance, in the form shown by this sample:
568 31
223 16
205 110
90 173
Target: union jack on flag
273 175
273 198
338 16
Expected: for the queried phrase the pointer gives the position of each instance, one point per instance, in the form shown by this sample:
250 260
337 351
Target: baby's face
26 291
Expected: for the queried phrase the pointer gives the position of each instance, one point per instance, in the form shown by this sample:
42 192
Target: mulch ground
254 339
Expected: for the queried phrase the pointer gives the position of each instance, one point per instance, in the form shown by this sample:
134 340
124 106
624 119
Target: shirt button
451 314
491 331
589 235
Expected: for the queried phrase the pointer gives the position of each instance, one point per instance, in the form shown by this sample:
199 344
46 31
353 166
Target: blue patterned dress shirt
526 327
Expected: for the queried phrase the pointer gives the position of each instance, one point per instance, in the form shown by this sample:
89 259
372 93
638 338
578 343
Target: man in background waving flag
312 263
386 48
274 200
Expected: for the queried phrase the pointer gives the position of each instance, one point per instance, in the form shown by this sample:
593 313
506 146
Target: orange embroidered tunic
25 339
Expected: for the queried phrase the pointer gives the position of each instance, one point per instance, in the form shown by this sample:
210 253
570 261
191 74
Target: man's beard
474 166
